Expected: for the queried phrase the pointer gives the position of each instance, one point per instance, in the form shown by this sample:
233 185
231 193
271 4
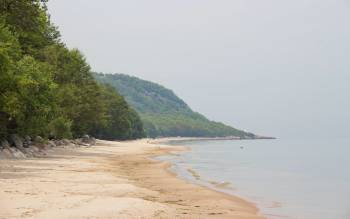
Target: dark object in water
241 147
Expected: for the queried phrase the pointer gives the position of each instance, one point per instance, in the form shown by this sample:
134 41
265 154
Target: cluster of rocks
17 147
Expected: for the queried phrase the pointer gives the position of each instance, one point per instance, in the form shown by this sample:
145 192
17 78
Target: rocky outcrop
19 148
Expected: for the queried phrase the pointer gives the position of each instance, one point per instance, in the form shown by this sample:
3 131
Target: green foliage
60 128
29 20
33 104
26 88
122 122
162 112
47 89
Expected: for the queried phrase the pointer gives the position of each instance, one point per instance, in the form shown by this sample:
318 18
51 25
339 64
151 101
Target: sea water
300 179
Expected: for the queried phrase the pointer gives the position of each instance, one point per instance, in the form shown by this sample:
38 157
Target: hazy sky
273 67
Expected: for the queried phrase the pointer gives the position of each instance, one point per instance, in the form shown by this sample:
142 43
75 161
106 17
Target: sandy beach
109 180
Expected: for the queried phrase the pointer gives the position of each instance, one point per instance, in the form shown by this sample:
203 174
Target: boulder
65 142
78 141
85 139
29 152
51 144
88 140
39 140
58 142
16 141
27 141
17 153
34 149
92 141
6 154
4 144
27 138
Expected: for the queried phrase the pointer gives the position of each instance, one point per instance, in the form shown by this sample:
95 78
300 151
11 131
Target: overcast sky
273 67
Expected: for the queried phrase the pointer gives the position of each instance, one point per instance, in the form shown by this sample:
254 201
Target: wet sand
109 180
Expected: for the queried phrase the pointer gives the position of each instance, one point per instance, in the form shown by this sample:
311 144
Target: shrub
60 128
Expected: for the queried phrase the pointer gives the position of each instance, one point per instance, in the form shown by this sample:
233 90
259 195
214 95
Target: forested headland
163 113
47 89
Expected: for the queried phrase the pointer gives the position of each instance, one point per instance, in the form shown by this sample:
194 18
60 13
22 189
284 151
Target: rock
19 150
92 141
16 141
4 144
18 154
66 142
78 141
63 142
86 138
27 138
29 152
34 149
6 154
27 141
51 144
39 140
58 142
25 144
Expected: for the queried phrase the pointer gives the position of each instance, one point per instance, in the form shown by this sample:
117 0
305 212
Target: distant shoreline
165 140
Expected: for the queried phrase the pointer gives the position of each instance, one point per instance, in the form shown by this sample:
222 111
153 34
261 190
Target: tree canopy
47 89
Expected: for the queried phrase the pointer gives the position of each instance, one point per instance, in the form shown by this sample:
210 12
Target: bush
60 128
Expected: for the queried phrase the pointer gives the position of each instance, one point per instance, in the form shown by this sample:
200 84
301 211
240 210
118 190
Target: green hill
162 112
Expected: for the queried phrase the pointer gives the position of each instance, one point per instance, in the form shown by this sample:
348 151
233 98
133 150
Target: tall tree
47 89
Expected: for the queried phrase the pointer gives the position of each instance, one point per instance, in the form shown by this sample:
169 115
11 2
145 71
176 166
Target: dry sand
110 180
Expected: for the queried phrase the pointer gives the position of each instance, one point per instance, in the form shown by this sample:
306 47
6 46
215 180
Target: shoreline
169 140
110 180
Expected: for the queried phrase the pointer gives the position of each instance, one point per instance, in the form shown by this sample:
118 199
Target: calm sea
300 179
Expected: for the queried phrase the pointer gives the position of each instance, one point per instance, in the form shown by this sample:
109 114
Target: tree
122 121
29 20
47 89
